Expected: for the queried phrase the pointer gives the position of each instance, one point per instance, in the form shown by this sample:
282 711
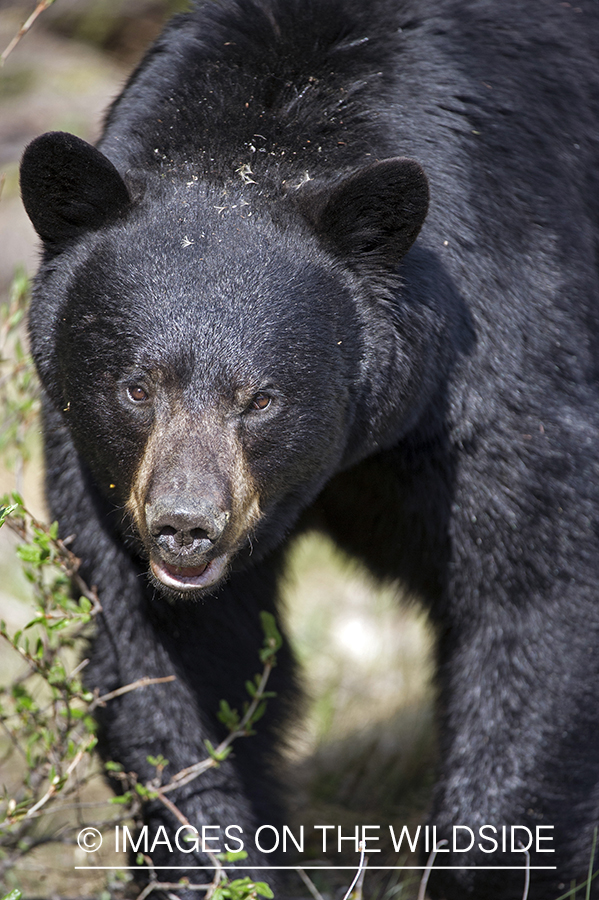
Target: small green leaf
232 855
228 716
157 760
123 798
145 793
32 553
214 754
260 710
13 895
5 512
271 632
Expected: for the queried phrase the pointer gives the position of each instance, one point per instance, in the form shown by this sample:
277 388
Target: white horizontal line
316 868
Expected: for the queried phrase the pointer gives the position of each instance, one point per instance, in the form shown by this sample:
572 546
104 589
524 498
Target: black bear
249 316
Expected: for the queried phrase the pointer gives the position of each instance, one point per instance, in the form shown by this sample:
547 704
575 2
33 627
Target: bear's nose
188 530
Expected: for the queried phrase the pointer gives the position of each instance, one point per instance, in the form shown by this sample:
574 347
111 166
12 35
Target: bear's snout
185 531
194 508
185 534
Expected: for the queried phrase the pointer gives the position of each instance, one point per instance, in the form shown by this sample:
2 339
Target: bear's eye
137 393
261 401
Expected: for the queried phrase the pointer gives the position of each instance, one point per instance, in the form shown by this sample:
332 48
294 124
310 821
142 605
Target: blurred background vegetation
364 754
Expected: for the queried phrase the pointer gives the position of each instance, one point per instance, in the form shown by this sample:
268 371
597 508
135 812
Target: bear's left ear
373 216
69 187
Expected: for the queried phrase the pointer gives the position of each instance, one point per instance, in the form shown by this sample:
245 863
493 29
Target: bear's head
217 359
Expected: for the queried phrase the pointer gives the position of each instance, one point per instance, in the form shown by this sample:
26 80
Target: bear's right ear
68 187
371 217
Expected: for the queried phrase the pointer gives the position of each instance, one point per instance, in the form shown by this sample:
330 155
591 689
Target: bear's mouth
189 578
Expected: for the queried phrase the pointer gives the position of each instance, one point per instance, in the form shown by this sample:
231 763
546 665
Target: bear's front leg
519 765
211 648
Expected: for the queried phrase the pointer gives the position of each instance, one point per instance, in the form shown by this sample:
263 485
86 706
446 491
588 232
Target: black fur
434 403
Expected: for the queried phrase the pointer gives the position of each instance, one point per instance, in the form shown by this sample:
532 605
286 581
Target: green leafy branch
45 711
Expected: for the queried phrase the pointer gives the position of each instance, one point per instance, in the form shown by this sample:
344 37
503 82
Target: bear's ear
68 187
373 216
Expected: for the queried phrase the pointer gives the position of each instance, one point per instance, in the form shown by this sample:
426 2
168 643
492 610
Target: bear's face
208 356
205 382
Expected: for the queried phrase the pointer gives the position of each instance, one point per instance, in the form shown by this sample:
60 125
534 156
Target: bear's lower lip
189 578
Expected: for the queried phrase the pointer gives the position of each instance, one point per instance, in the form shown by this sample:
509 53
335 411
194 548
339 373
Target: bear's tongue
189 578
185 572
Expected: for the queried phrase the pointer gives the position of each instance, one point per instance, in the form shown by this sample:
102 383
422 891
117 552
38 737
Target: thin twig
79 668
41 6
526 874
427 871
309 884
361 867
218 867
360 882
591 877
134 686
